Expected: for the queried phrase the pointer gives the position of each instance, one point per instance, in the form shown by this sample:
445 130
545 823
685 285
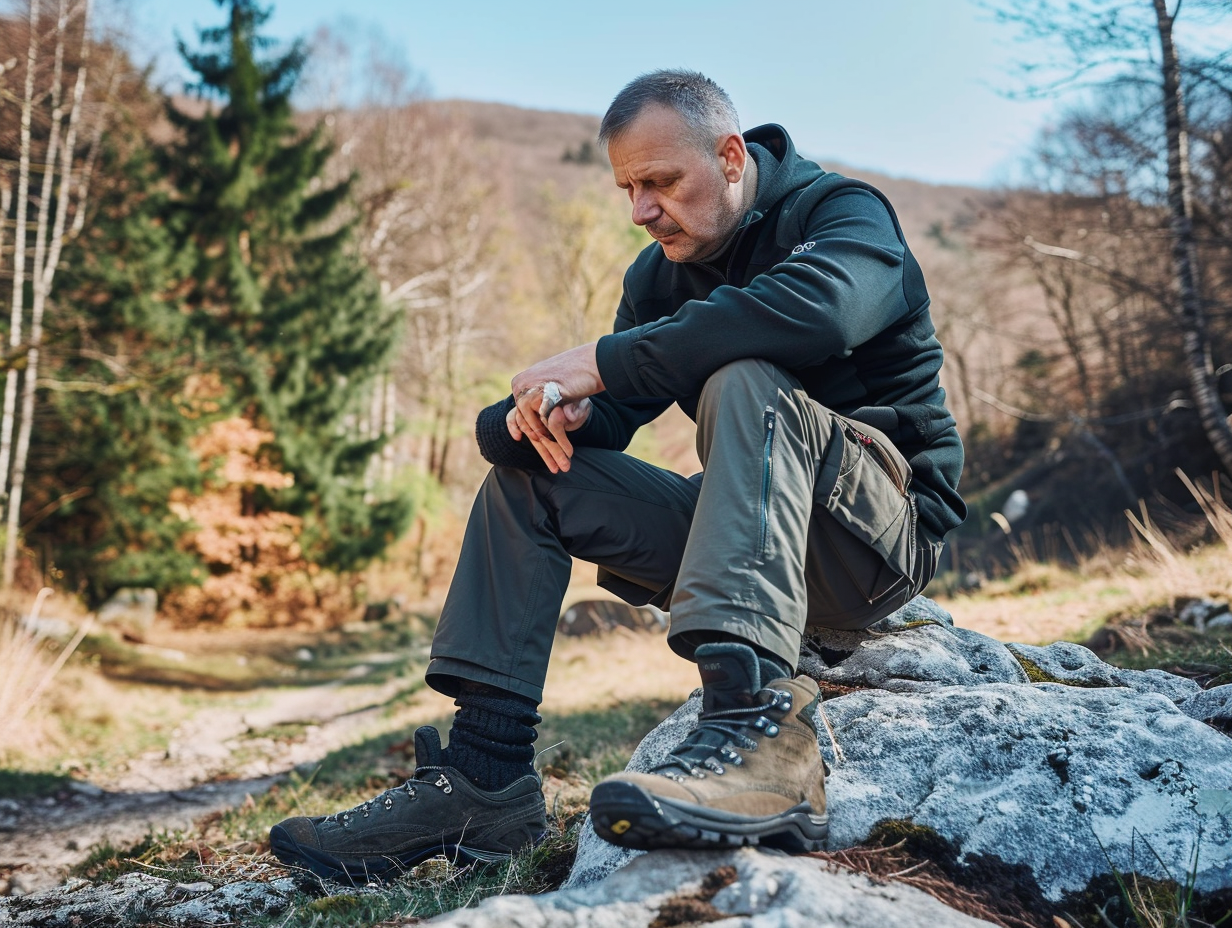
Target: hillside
529 148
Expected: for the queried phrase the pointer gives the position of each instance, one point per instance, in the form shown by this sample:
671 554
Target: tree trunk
1191 314
17 308
387 451
46 259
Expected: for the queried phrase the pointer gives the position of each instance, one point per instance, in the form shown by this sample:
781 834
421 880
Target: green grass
19 784
1205 657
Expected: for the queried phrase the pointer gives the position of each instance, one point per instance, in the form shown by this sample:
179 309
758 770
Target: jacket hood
780 170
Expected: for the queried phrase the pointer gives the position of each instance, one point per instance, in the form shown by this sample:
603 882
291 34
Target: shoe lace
386 801
722 734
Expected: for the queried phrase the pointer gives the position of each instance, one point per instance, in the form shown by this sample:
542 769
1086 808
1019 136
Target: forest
249 325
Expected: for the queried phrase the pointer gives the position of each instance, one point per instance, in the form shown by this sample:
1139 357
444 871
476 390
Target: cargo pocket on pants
863 484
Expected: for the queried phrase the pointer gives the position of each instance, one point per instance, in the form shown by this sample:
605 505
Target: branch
89 386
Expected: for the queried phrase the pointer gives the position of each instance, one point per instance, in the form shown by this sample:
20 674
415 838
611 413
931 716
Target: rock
1034 755
84 788
1072 664
747 888
140 898
919 658
1204 613
131 610
593 617
1213 706
1038 775
20 884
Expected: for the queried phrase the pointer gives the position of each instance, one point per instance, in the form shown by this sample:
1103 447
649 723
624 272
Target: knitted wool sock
492 737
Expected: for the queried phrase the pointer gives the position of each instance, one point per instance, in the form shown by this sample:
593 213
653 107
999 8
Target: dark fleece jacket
819 281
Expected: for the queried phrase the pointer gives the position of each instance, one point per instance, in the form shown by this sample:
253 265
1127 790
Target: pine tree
279 301
112 442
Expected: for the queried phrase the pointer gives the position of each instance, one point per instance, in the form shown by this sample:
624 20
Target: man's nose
646 208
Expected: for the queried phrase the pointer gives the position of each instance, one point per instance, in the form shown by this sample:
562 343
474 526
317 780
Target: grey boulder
1101 767
747 889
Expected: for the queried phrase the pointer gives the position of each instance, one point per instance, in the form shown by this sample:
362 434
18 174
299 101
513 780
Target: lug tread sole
359 871
627 815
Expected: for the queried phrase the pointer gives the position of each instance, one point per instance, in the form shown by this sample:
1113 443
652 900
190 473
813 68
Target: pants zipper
767 472
884 461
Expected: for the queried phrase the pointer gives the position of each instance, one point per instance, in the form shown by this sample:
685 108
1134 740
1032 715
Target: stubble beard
709 241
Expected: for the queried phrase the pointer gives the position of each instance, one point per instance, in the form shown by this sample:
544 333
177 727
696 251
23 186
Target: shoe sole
360 871
628 816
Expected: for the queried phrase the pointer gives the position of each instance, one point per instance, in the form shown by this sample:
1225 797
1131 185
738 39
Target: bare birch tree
1108 42
64 152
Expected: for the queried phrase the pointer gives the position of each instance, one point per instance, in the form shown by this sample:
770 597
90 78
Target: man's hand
546 424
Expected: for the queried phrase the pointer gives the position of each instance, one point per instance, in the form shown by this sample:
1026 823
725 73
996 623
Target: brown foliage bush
256 574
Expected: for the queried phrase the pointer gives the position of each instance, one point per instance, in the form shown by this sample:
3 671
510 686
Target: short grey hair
704 106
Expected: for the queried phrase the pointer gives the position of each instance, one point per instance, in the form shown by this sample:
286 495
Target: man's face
684 197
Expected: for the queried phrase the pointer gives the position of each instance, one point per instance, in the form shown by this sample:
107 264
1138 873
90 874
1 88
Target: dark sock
492 737
733 672
772 666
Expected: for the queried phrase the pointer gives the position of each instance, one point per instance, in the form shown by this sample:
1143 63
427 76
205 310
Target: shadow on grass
18 784
373 656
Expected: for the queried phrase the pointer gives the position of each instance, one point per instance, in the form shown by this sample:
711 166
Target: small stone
20 885
84 788
303 655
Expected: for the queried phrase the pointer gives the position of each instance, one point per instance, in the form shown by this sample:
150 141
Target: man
781 308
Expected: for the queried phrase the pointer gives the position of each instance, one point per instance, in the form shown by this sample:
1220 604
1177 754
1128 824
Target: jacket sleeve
842 288
611 423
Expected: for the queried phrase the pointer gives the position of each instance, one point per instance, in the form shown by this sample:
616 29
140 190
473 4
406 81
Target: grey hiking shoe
749 773
436 811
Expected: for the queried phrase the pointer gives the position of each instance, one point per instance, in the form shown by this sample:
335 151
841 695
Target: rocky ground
1029 772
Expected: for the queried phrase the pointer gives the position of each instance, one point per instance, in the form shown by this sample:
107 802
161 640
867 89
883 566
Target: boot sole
628 816
359 871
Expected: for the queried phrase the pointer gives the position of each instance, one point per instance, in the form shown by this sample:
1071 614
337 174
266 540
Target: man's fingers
557 423
528 406
556 458
553 455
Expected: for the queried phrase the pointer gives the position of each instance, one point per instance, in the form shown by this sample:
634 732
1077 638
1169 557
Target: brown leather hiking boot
749 773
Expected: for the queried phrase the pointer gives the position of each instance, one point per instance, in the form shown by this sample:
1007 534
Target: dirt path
213 762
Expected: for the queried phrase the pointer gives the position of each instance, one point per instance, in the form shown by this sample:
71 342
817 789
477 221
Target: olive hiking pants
800 518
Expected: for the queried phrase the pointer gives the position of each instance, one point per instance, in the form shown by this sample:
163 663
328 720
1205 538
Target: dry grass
1044 602
1050 602
895 864
29 662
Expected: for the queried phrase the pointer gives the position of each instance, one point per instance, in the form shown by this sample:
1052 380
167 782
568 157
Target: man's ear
733 157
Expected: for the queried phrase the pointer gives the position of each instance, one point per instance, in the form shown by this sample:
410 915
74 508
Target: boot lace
385 802
721 735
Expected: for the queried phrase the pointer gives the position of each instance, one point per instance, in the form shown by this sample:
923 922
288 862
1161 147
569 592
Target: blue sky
906 87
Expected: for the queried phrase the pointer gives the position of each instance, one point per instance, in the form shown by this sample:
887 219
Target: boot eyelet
772 731
389 803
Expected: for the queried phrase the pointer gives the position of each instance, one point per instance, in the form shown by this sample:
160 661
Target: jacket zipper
767 472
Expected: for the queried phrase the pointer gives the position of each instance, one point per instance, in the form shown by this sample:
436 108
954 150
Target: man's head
674 141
